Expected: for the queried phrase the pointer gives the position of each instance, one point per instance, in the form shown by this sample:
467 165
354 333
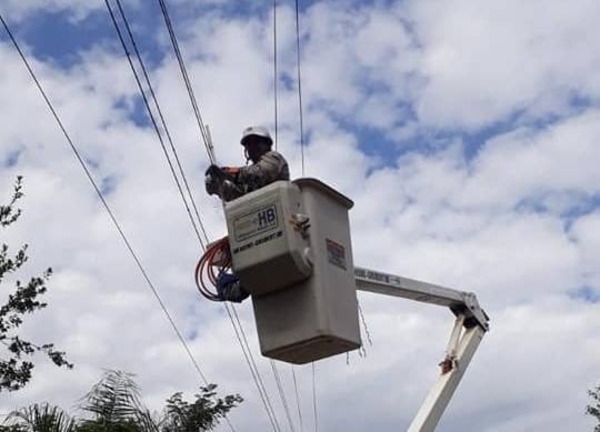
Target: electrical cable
301 115
314 394
102 199
204 133
108 209
299 84
276 121
162 119
282 394
151 115
255 373
216 256
205 264
297 397
275 72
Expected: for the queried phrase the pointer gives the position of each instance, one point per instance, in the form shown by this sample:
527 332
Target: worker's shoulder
274 155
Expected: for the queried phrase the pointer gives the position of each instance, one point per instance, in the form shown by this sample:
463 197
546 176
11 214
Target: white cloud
527 164
470 222
487 60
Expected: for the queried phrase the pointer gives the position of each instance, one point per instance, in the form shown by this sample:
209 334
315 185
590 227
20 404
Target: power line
314 394
102 199
163 122
301 115
282 394
108 209
206 137
299 84
275 77
254 369
276 121
297 397
153 119
173 37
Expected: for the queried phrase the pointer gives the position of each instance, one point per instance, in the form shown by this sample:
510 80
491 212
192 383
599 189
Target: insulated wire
103 200
282 394
173 37
255 374
163 122
314 394
297 397
105 204
299 84
301 114
152 118
275 77
276 120
207 142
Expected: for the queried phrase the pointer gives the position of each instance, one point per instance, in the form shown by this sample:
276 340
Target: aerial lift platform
289 243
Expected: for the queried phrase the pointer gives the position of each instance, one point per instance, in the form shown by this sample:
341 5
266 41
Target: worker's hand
213 170
211 185
232 171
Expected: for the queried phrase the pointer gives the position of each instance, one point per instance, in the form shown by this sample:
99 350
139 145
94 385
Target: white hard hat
258 131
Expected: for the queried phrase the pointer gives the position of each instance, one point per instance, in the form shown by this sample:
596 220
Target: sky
464 131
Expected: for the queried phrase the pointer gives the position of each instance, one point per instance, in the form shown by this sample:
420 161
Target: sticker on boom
256 222
336 254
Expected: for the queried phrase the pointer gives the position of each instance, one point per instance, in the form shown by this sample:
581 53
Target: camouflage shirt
271 167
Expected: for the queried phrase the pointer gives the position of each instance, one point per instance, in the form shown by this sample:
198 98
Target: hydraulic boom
470 325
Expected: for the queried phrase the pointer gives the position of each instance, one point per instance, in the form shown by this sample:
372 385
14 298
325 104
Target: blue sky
465 132
58 38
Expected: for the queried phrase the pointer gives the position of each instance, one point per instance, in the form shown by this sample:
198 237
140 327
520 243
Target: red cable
206 270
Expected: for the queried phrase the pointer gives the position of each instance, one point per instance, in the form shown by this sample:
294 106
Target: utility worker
267 167
229 183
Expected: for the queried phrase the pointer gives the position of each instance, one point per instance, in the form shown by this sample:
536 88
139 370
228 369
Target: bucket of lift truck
291 248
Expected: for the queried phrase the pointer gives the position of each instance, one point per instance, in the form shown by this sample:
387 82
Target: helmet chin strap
246 155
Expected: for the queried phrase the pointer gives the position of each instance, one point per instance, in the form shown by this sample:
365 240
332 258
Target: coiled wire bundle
214 262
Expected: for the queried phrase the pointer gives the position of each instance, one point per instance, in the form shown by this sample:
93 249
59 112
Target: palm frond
41 418
116 403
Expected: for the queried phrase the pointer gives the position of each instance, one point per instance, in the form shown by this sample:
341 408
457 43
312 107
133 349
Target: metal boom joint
469 327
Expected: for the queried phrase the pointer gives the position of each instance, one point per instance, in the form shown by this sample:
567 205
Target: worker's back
270 168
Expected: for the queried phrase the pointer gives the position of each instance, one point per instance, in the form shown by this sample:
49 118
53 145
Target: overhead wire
153 119
276 122
204 133
282 394
275 73
208 145
241 335
300 110
301 125
297 398
100 195
314 395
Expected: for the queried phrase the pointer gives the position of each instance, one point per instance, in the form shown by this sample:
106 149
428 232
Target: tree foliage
39 418
15 358
114 405
593 408
201 415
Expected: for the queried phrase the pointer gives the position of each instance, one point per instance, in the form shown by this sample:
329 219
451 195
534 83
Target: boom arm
470 325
